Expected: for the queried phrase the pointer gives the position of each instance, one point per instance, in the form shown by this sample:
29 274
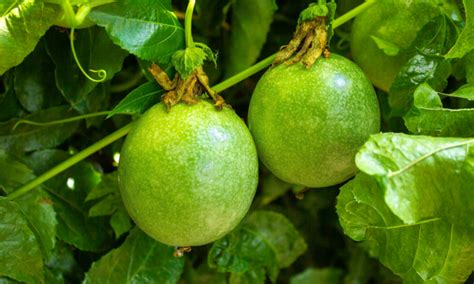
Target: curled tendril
101 73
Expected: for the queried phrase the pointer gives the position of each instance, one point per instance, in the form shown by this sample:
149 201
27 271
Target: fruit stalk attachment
190 82
311 37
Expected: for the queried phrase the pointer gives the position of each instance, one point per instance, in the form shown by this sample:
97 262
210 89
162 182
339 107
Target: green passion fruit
309 123
393 21
188 177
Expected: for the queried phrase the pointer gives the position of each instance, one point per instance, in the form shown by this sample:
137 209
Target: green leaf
266 240
8 102
20 255
187 60
38 210
251 22
428 117
139 100
423 177
35 86
465 42
27 137
95 51
253 276
35 205
431 250
21 28
469 64
140 259
147 28
388 48
13 173
110 203
318 276
68 192
272 188
426 65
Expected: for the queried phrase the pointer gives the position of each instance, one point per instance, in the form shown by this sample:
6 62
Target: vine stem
71 161
60 121
124 130
188 24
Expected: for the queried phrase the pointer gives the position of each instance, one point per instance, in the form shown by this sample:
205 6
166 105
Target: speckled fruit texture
188 177
394 21
309 123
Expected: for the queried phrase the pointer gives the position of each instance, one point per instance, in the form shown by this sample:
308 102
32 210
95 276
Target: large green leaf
110 204
266 241
426 64
21 27
20 255
250 24
8 102
140 259
428 251
139 100
423 177
465 42
28 137
68 192
38 210
35 85
328 275
428 117
95 51
147 28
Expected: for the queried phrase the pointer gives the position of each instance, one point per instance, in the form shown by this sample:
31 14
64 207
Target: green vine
101 73
124 130
188 18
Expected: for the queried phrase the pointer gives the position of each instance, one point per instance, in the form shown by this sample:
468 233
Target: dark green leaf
21 28
388 48
140 259
465 42
35 85
110 203
147 28
95 51
8 102
250 24
428 117
272 188
13 173
35 205
38 210
318 276
20 255
266 240
253 276
426 65
68 191
423 177
429 250
139 100
27 137
120 222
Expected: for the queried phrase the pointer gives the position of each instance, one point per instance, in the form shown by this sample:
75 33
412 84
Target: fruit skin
395 21
309 123
188 177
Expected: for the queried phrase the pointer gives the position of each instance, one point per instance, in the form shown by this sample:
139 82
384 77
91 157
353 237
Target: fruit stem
71 161
188 23
124 130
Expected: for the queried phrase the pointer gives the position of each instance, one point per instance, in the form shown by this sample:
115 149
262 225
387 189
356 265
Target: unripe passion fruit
309 123
393 21
188 177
